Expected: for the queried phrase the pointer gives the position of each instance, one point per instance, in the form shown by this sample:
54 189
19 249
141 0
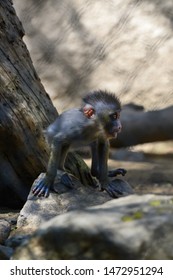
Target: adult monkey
93 124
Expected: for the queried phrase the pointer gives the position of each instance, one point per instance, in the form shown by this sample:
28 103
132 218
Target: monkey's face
112 124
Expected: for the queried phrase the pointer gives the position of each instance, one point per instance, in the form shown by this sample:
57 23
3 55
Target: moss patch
135 216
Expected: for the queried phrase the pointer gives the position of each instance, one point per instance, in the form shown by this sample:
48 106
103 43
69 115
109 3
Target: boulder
133 227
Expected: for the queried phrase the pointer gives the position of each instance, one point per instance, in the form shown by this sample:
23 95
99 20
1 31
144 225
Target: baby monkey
97 121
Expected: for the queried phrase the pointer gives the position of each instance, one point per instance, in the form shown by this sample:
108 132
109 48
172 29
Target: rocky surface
38 210
5 252
5 229
8 219
133 227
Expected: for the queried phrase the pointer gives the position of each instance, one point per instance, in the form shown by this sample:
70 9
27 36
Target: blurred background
122 46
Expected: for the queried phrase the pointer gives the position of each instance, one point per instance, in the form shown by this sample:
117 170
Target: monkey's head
105 107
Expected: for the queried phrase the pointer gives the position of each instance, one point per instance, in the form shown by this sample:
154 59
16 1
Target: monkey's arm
42 187
106 184
103 150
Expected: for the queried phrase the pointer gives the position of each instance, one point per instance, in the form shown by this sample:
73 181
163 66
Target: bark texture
25 110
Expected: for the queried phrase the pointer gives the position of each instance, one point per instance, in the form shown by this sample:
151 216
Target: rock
133 227
38 210
5 252
4 230
17 239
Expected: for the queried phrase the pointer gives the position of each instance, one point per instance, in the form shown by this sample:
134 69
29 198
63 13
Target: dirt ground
149 167
153 175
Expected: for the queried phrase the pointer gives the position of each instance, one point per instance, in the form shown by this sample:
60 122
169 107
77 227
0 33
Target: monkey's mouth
112 134
115 134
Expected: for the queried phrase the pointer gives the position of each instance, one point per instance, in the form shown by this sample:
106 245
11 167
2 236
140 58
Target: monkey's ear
88 111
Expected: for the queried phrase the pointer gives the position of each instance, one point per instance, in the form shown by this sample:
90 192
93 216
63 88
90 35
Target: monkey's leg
95 159
66 178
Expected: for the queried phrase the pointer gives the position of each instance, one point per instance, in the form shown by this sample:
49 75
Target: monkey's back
73 127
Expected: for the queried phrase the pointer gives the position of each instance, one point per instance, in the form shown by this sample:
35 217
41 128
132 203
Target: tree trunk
25 110
142 127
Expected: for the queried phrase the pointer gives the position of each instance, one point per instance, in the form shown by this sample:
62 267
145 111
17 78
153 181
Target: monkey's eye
115 116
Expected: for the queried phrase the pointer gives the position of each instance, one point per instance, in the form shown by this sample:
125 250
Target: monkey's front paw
119 171
41 187
68 180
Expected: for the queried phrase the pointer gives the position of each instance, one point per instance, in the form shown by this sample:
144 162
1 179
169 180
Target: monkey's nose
117 129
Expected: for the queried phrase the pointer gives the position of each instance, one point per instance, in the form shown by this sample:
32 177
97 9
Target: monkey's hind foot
68 180
41 187
118 188
119 171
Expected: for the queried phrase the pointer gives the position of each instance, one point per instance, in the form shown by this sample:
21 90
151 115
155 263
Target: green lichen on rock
155 203
134 216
